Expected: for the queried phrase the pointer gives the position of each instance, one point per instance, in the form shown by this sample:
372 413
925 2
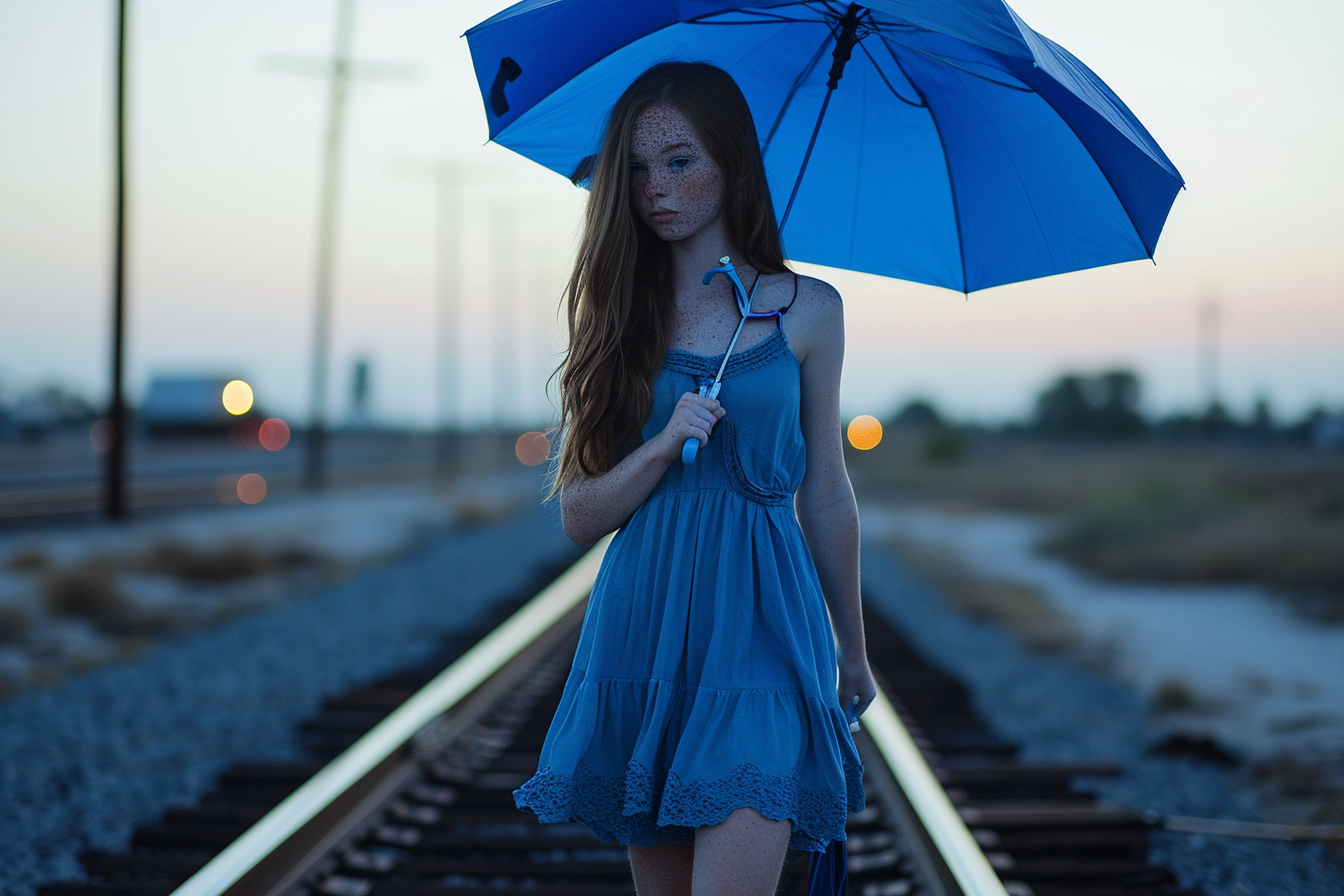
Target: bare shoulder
816 322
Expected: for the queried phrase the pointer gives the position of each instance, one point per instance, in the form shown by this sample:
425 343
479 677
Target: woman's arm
825 503
595 505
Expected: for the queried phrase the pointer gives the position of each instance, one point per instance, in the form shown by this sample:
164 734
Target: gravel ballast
83 762
1056 710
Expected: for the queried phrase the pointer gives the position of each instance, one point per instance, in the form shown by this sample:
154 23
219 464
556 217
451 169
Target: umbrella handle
739 291
689 450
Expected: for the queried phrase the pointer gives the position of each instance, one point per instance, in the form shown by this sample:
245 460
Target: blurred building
183 404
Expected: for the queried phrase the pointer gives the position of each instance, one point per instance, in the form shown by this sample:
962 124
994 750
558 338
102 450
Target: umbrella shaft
845 40
844 45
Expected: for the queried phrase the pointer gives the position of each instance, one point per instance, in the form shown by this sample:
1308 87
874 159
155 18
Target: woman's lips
661 215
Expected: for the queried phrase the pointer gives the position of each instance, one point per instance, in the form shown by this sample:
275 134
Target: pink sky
224 168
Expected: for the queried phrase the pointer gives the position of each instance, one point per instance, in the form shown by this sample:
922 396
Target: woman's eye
679 163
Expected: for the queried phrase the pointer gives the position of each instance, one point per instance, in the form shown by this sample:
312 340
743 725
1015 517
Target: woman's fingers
857 690
695 416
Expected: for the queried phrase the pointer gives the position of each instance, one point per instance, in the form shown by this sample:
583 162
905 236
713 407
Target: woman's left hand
856 681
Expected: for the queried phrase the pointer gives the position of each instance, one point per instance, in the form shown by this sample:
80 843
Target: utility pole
114 488
315 447
338 69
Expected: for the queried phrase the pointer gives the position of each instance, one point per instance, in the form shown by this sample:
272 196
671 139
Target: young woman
702 724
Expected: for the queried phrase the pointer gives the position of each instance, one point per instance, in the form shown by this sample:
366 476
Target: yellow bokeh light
237 397
864 432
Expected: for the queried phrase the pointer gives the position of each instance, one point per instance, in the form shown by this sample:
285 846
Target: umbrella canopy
956 147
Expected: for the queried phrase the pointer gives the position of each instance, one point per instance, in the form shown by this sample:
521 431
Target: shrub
88 590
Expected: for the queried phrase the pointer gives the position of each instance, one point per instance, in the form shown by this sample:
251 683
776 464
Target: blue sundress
705 676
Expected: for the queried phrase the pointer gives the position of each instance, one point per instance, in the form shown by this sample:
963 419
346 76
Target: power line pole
338 69
315 448
114 488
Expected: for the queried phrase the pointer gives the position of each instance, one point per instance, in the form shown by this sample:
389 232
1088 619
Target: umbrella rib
883 75
798 181
1031 205
793 91
951 181
1105 176
955 64
753 17
707 20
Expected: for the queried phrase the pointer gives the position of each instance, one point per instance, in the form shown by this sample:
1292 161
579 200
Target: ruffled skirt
704 682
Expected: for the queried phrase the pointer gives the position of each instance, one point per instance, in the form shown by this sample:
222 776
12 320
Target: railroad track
409 792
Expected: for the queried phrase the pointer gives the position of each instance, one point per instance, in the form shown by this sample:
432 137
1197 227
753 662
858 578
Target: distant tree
1262 418
1217 420
1104 405
918 413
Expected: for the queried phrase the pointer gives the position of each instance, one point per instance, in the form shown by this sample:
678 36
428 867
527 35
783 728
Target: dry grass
16 621
1147 511
473 513
88 590
1037 624
1176 696
28 559
227 563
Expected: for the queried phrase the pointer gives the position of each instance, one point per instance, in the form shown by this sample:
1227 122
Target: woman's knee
741 856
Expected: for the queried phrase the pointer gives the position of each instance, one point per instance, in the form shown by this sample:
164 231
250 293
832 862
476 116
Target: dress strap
780 319
778 313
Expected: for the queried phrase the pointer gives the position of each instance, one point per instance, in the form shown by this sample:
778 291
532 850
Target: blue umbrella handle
739 291
689 450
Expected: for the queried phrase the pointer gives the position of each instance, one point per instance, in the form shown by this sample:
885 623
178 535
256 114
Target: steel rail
964 858
943 828
390 735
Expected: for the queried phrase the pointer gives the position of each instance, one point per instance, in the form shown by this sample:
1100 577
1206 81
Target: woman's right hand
693 418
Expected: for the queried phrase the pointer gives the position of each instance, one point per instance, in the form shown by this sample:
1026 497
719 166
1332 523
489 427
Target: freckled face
675 185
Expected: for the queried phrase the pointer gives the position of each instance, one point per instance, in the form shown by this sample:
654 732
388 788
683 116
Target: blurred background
1043 446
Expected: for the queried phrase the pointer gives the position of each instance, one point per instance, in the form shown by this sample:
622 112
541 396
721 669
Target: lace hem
647 809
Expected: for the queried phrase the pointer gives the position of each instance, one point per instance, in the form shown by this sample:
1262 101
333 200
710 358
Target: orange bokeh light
864 432
251 488
274 434
532 448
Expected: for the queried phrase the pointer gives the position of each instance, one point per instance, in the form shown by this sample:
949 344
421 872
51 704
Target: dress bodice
757 448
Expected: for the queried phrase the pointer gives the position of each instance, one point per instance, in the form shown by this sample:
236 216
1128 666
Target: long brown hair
619 298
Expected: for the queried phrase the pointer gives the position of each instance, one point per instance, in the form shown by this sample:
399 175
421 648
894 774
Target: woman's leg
742 856
662 870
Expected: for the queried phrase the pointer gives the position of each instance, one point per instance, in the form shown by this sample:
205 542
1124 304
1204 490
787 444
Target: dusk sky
224 163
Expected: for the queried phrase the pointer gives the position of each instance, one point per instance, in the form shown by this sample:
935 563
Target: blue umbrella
938 141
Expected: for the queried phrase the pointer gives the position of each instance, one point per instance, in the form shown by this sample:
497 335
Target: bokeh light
532 448
273 434
864 432
237 397
100 435
251 488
